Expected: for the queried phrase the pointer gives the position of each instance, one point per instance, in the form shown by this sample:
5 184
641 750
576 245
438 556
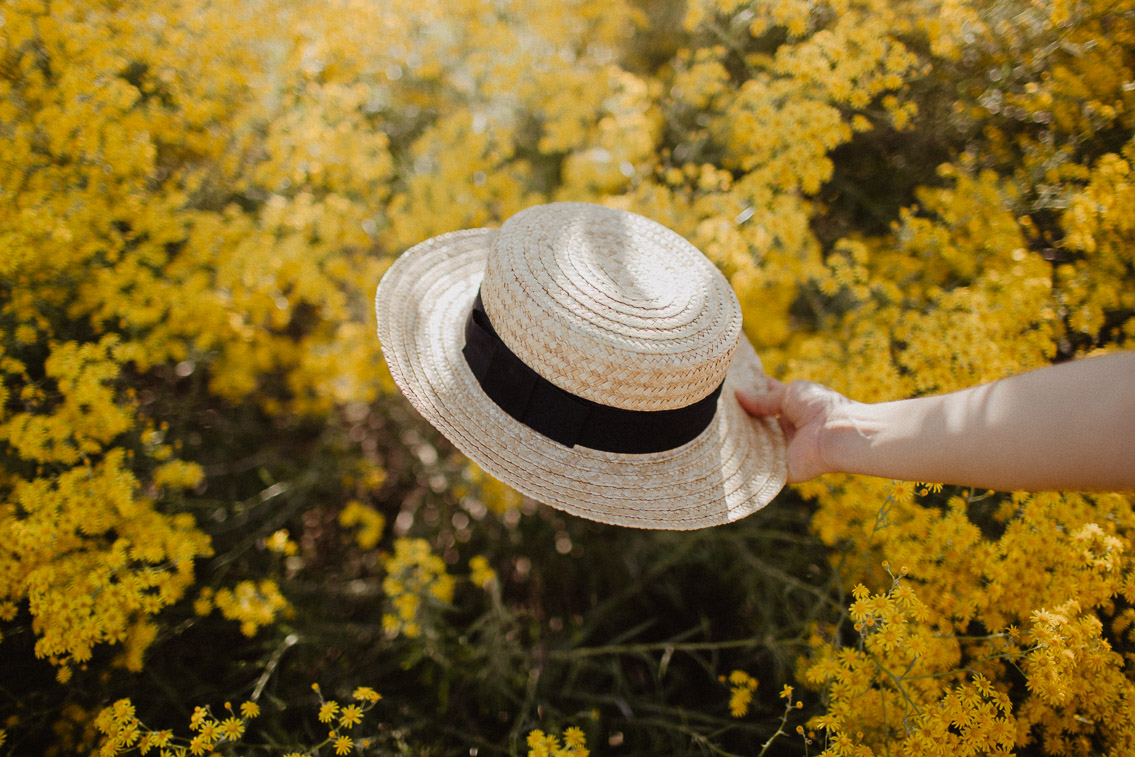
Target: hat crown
611 306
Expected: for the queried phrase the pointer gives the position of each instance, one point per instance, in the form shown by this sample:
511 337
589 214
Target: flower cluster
481 573
366 519
123 732
343 718
574 744
417 586
741 688
252 604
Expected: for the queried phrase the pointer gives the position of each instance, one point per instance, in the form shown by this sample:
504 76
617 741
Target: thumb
760 403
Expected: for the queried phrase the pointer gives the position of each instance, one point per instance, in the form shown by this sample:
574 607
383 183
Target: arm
1069 426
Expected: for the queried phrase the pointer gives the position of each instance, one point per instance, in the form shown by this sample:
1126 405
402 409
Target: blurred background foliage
212 493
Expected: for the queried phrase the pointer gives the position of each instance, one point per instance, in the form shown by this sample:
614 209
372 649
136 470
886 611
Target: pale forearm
1070 426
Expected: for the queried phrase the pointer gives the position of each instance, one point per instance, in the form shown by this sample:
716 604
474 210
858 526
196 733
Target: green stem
779 730
288 642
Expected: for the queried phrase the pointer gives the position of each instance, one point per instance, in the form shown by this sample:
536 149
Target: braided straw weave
607 305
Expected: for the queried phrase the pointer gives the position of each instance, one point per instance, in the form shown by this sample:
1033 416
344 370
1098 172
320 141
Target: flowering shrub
198 200
212 734
415 584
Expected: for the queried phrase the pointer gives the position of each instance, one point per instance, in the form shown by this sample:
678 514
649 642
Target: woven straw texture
607 305
651 328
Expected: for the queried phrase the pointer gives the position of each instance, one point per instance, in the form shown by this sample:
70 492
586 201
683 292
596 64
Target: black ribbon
566 418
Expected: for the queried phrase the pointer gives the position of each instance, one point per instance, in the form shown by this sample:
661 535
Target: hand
803 409
1060 428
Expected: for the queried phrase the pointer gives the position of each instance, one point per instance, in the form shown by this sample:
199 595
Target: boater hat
587 357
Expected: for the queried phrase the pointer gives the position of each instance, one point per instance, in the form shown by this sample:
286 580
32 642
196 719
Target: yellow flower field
224 531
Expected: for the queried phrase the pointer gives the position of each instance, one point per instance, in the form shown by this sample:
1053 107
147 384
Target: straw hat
587 357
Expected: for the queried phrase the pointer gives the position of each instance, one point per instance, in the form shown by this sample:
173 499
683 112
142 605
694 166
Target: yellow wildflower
197 719
232 728
742 686
328 710
416 583
366 694
350 716
481 573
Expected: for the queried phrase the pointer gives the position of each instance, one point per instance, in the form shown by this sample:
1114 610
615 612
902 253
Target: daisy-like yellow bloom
366 694
328 710
575 740
542 744
123 710
198 718
250 709
343 744
350 716
129 733
232 728
741 692
199 745
209 730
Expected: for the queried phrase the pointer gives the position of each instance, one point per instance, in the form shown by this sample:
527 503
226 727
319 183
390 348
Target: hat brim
733 468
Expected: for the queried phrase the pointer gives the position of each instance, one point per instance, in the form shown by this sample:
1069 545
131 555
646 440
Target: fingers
761 403
801 408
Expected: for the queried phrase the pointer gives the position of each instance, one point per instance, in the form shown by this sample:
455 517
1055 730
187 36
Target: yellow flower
366 694
343 744
481 573
741 678
739 701
198 745
232 728
197 719
741 692
280 543
328 710
250 709
350 716
123 710
370 523
253 604
203 605
415 584
575 741
208 730
542 744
